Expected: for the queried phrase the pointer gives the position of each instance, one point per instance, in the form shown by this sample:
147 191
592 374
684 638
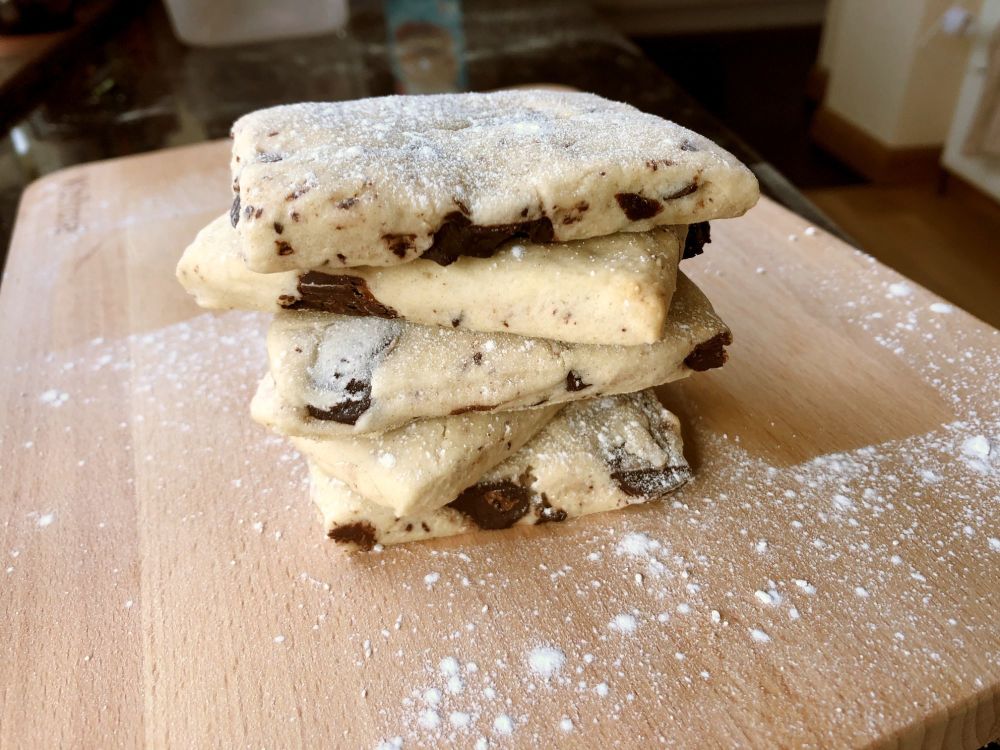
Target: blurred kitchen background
878 120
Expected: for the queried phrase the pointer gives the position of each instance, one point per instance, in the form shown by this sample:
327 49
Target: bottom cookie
594 456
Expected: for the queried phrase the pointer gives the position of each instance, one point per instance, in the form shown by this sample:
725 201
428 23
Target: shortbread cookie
613 289
338 375
593 456
376 182
424 464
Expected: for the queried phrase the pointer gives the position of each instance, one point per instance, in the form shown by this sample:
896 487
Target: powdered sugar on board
497 640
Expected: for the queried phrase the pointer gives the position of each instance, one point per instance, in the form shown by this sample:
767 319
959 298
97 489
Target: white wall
890 75
982 172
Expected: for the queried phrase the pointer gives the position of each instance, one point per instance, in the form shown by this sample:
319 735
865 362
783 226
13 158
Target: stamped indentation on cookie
493 505
637 207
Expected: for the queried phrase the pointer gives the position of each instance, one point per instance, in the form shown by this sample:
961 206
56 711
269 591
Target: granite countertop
140 89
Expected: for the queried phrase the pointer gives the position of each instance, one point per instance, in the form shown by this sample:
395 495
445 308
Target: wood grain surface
828 580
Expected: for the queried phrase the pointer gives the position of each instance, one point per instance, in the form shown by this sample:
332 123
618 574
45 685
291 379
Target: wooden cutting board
830 578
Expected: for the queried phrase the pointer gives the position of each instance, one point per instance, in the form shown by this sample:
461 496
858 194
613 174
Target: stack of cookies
474 295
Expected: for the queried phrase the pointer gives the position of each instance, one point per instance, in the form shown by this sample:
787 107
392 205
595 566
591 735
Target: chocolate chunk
456 321
473 407
686 190
279 227
234 211
651 482
493 505
457 236
574 382
576 213
258 213
400 244
360 533
698 236
636 207
346 412
347 379
341 294
347 203
477 358
298 192
283 247
710 354
548 514
655 164
272 134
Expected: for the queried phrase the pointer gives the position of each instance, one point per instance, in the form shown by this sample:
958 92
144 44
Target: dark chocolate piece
546 513
341 294
654 164
346 412
298 192
234 211
457 236
493 505
686 190
636 207
574 382
698 236
360 533
651 483
710 354
283 247
347 203
399 243
279 227
353 378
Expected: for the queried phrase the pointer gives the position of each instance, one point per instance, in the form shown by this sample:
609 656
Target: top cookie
382 181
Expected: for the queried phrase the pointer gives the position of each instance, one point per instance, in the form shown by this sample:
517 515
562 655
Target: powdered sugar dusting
884 550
